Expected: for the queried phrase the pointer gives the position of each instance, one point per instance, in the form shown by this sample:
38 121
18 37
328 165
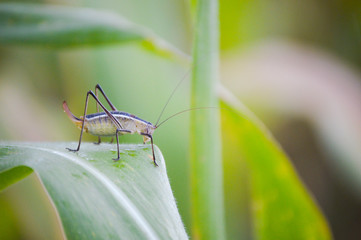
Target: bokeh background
296 64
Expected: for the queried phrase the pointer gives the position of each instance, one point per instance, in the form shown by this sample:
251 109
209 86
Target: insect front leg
151 140
117 137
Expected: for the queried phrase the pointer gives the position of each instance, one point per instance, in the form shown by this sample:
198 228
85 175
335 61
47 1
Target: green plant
133 193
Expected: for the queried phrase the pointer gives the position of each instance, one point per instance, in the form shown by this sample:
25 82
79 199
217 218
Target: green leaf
243 22
205 145
98 198
281 206
13 175
58 27
27 212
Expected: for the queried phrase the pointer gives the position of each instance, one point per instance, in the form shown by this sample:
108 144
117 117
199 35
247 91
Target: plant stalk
205 141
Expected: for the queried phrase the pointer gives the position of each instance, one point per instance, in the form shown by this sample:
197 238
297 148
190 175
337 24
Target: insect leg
99 141
97 105
114 120
82 126
116 136
151 140
105 96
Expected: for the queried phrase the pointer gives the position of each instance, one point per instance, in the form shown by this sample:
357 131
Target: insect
115 123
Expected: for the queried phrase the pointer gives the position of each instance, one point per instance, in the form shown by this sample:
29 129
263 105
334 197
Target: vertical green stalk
205 143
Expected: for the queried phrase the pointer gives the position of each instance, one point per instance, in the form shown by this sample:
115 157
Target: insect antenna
170 97
187 110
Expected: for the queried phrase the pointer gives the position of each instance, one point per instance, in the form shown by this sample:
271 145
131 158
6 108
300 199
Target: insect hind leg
105 96
82 125
112 118
98 87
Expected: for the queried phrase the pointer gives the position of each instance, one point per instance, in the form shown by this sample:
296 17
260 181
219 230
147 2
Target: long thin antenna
161 113
187 110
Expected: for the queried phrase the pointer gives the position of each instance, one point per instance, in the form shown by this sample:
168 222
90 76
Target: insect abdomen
100 126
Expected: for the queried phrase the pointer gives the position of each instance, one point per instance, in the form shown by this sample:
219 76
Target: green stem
205 144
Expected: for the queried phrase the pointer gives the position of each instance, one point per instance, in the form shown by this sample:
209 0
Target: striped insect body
115 123
110 123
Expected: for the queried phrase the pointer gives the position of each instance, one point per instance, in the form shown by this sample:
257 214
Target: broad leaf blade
11 176
281 207
100 199
58 27
27 212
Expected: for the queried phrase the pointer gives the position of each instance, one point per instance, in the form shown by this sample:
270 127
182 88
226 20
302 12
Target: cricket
114 122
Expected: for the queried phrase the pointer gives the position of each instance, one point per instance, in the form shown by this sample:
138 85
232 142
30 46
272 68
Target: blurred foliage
57 27
14 175
333 25
27 212
277 198
34 82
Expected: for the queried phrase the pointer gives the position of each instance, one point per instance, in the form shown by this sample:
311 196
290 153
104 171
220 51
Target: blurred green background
296 64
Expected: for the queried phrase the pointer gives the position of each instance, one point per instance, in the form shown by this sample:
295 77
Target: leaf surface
98 198
11 176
